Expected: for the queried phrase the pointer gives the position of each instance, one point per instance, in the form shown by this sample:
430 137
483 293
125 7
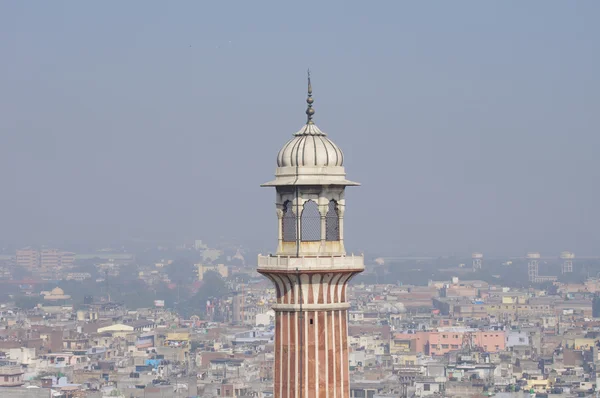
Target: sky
472 126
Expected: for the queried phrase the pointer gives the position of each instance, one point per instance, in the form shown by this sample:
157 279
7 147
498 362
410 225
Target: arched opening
288 224
332 222
311 222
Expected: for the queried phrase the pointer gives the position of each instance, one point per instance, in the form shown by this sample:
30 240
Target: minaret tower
310 269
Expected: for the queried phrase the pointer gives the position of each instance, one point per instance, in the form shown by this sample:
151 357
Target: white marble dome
310 147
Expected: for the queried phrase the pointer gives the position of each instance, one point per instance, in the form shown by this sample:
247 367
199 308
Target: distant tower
477 261
533 266
567 265
310 269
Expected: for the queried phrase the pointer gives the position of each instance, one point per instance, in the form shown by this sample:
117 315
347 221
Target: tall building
533 265
238 308
28 258
477 261
567 265
310 269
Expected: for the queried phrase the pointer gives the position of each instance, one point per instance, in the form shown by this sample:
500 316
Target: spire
309 110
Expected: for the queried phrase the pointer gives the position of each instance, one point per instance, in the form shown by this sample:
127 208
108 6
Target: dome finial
309 111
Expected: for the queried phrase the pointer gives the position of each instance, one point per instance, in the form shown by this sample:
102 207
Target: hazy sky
471 125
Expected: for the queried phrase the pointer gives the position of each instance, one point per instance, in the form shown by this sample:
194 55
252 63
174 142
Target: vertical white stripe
326 355
341 358
305 287
316 327
326 282
306 367
297 355
335 281
341 285
333 333
281 355
347 365
315 286
289 359
294 285
282 287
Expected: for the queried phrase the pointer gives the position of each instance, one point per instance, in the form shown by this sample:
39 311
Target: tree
213 286
20 273
181 271
27 302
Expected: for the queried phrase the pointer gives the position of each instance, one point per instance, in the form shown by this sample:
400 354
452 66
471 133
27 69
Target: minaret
310 269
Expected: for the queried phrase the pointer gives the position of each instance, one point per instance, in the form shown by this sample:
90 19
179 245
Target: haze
473 126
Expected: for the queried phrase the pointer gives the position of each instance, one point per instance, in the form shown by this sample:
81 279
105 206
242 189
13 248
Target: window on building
426 387
288 223
310 222
332 222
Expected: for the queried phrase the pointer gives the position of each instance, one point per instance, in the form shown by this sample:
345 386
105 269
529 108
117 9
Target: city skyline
471 141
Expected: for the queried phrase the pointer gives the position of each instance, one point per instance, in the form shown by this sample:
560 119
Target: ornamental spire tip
309 110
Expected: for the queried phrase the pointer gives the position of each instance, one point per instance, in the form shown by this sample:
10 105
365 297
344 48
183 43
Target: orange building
442 341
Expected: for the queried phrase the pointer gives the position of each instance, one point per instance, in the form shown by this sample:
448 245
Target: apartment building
28 258
443 341
53 258
46 258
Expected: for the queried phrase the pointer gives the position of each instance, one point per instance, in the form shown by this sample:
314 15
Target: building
238 308
310 269
56 295
28 258
221 269
53 258
11 376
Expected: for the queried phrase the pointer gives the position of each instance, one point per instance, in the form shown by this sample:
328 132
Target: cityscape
159 263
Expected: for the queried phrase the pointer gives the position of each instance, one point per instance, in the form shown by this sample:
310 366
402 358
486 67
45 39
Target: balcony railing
309 263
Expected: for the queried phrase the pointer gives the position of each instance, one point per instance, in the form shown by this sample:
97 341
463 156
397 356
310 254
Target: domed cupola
310 146
310 157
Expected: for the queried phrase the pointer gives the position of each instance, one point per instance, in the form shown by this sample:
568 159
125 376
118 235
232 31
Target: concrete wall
19 392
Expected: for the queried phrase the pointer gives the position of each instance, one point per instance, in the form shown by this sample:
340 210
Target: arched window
332 222
311 222
288 222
